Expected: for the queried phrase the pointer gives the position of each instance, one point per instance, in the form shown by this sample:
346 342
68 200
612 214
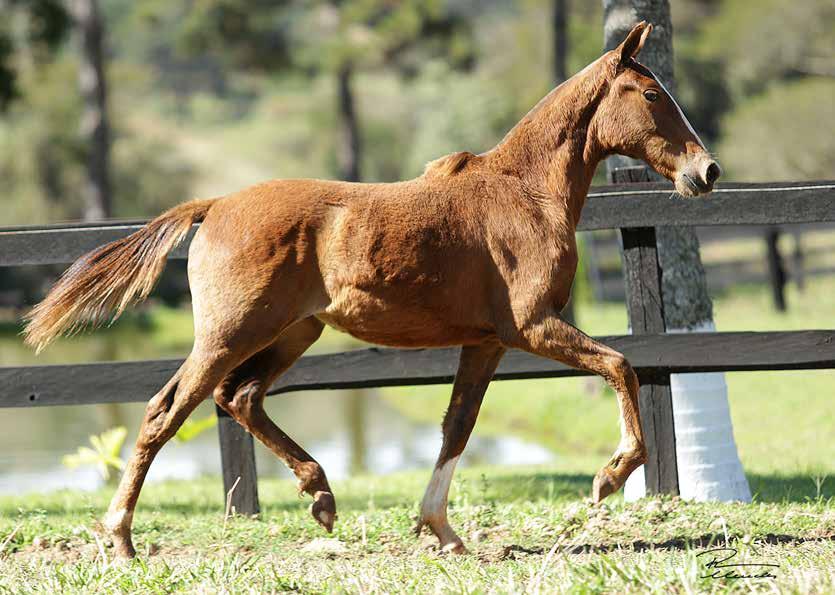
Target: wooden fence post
237 460
645 306
776 270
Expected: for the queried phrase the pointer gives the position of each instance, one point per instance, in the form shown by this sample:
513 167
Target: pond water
346 431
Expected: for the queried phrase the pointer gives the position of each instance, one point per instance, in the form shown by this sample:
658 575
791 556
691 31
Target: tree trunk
687 304
95 128
560 17
686 301
349 148
560 39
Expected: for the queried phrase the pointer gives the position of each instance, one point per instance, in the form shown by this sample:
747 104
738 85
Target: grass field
528 530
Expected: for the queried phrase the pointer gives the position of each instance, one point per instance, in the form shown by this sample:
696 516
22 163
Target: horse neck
553 149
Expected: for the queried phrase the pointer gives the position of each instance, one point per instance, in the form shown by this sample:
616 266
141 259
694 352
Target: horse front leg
475 369
552 337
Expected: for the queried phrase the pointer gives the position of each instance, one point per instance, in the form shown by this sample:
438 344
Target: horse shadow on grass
778 489
496 488
781 489
511 487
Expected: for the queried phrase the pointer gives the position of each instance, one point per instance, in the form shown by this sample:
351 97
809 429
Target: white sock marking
117 519
435 499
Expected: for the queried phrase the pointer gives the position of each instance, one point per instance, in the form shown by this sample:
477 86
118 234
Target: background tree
338 38
560 20
687 304
95 122
365 35
44 23
805 151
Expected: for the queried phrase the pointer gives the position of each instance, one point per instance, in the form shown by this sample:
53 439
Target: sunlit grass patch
528 530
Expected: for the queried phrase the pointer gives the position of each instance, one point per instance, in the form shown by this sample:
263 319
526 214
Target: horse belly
403 320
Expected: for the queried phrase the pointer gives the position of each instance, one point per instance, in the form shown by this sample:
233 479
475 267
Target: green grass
528 529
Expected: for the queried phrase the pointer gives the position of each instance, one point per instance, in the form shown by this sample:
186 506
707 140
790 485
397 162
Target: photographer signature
718 562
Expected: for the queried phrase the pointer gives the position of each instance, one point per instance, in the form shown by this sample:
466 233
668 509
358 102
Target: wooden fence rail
619 206
651 355
633 206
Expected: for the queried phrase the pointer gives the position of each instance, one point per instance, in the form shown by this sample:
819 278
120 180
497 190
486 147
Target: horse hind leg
241 394
164 414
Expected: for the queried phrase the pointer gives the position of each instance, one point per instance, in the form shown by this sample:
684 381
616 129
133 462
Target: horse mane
449 165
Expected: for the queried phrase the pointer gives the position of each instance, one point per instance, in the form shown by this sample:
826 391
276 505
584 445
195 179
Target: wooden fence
631 205
775 266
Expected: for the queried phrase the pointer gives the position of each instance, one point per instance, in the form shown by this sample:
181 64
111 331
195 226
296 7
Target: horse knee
618 371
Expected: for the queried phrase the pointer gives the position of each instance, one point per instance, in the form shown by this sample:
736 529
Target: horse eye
650 95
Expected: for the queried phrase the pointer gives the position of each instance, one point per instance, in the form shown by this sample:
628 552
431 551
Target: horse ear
633 43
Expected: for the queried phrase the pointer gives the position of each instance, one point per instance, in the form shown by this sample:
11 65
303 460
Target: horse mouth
696 187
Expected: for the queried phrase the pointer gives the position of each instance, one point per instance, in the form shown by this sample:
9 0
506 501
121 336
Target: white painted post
708 464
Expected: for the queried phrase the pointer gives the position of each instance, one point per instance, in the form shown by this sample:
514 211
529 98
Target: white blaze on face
678 107
435 499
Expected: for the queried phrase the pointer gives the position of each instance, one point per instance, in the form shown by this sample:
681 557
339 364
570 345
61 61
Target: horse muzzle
698 177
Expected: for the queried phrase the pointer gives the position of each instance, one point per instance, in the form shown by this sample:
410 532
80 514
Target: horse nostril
713 172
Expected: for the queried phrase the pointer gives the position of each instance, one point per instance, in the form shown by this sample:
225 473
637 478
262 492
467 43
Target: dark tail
101 284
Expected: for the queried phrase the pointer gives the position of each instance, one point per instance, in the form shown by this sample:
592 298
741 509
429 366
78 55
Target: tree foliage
786 133
380 33
37 25
42 164
760 42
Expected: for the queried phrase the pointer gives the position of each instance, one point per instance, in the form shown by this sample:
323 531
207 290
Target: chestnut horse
479 251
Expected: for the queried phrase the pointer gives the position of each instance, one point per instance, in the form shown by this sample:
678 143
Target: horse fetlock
311 478
448 540
454 547
117 527
123 546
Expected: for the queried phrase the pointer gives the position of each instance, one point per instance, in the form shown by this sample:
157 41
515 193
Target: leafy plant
105 452
192 428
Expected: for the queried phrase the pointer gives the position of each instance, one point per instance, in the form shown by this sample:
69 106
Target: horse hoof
123 548
323 510
454 548
418 529
604 485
